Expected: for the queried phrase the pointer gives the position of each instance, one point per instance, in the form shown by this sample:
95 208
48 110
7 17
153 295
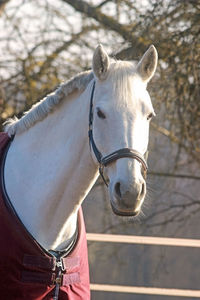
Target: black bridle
108 159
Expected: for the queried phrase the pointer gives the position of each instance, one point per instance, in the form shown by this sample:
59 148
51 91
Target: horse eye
150 116
100 114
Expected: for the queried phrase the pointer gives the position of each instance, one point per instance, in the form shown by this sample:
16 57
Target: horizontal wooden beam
145 240
145 290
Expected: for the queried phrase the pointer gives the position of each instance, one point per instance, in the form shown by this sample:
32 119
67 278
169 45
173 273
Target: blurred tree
2 5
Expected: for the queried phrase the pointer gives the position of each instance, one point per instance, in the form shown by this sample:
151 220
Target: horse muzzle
126 200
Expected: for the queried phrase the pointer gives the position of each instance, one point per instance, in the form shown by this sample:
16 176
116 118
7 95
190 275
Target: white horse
50 167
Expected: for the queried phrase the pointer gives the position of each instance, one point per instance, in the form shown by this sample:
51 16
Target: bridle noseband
108 159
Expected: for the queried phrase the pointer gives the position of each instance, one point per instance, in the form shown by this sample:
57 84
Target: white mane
118 71
41 109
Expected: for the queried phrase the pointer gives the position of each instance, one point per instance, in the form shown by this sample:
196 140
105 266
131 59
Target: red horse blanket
27 271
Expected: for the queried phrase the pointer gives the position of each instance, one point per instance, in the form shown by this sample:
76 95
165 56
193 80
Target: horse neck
53 173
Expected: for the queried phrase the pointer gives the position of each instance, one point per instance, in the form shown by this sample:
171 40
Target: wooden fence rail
145 240
145 290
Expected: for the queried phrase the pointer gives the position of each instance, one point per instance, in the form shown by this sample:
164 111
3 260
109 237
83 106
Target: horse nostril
142 190
117 189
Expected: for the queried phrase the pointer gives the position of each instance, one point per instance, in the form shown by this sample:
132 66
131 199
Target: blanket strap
51 271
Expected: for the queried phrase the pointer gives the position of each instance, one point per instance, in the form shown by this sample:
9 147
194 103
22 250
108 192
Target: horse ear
148 63
100 63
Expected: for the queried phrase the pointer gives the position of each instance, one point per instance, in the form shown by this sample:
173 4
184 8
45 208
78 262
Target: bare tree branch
176 140
110 23
163 174
2 5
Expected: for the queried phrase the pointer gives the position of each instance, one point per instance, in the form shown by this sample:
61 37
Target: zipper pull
58 280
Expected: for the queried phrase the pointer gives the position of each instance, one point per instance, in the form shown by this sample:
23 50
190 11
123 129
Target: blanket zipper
58 281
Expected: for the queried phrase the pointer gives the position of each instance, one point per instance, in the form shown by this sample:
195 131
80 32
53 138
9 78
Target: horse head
122 111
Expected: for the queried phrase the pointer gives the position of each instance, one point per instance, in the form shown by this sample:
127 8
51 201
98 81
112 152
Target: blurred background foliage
45 42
